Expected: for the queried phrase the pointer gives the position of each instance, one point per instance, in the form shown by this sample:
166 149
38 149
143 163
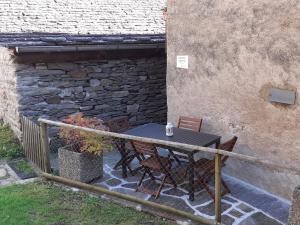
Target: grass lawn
43 203
11 152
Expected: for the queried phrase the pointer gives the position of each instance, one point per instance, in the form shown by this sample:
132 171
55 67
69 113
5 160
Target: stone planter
294 216
83 167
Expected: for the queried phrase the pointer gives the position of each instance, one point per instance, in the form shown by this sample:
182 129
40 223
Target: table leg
174 156
191 177
124 166
218 142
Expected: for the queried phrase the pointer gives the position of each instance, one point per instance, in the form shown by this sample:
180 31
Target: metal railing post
45 146
218 188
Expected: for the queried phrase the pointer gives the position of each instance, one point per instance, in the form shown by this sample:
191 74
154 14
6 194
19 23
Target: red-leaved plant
82 141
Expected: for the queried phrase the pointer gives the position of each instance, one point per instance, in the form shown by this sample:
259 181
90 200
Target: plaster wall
237 50
8 93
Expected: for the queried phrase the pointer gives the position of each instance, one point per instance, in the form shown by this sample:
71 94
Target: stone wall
102 88
238 50
8 94
82 17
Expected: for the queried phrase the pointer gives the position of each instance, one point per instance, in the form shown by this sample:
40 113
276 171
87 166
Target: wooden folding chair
120 125
188 123
152 162
205 169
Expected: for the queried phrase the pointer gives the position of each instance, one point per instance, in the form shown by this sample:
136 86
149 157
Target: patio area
246 205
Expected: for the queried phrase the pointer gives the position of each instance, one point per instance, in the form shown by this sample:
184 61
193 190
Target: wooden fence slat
33 158
32 144
36 145
26 136
22 129
38 148
23 135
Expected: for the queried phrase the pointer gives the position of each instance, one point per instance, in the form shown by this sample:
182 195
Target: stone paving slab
3 173
228 220
176 203
262 201
259 219
8 175
245 208
239 208
210 208
234 211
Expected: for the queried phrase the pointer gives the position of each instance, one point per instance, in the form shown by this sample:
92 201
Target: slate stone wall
82 17
105 89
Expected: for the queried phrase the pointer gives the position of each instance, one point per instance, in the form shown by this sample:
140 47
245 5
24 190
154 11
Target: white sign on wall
183 61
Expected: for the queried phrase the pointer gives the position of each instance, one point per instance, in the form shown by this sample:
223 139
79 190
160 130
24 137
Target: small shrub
24 167
81 141
10 151
9 146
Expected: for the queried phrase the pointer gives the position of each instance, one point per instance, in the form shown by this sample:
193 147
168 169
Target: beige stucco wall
238 49
8 92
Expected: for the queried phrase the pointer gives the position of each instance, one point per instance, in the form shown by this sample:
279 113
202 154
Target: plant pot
83 167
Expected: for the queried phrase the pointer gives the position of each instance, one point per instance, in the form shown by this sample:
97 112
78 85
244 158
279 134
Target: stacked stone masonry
105 89
82 17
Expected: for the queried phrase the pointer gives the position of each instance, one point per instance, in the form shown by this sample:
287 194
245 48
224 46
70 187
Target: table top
158 131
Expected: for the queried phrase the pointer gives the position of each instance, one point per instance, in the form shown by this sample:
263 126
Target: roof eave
85 48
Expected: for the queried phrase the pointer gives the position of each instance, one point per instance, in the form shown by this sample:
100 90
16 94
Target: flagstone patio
7 175
246 205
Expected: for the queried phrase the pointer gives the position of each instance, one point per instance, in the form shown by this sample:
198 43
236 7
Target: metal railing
217 152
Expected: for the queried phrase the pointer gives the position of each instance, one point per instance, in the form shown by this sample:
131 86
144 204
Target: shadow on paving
244 206
260 200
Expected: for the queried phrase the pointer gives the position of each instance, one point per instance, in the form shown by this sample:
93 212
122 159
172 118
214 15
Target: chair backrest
227 146
145 148
118 125
189 123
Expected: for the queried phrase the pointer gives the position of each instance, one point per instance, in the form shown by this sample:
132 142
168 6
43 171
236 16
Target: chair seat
205 169
128 145
181 155
203 164
154 164
129 151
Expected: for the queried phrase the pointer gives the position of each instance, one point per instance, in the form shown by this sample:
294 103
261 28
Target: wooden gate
32 144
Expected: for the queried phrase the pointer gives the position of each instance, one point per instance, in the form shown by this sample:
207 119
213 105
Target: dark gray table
157 131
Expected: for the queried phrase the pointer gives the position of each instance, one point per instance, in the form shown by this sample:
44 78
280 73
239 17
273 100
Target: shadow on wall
125 79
